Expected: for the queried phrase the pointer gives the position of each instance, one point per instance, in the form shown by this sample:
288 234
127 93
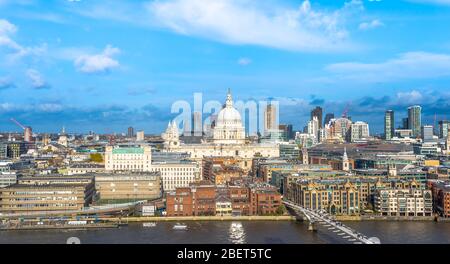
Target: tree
281 210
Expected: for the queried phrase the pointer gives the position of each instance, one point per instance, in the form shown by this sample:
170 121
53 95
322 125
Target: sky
98 65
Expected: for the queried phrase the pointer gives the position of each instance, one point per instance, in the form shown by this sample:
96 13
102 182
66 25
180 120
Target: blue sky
105 65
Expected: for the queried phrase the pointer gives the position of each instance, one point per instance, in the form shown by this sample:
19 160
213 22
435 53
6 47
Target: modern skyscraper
389 125
360 130
130 132
444 125
317 112
405 122
415 119
427 133
270 118
287 131
328 117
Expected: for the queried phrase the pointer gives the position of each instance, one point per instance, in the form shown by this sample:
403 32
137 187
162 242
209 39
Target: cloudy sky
105 65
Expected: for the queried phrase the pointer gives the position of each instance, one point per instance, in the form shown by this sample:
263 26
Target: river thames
261 232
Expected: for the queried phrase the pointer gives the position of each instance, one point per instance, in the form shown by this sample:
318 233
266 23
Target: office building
389 125
405 123
12 149
46 194
128 158
270 118
130 132
415 120
427 134
317 112
128 186
359 131
7 178
444 126
328 118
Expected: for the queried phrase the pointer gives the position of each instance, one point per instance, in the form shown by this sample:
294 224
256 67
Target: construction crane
345 113
28 131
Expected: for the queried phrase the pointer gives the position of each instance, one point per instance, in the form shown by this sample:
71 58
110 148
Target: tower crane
28 131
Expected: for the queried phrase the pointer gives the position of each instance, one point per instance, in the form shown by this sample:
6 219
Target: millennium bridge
319 216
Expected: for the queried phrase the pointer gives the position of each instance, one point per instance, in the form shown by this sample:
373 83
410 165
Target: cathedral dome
229 128
229 117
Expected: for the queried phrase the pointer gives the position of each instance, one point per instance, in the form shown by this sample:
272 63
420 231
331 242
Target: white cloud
305 28
15 50
409 98
370 25
97 63
244 61
411 65
37 81
248 22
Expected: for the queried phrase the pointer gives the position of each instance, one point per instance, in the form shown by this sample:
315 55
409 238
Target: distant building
359 131
7 178
140 136
328 118
317 112
130 132
415 119
444 126
427 134
270 118
63 139
287 130
403 133
339 129
389 125
12 149
85 168
28 134
405 123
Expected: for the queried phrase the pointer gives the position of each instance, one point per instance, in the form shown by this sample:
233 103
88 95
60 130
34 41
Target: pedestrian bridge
332 225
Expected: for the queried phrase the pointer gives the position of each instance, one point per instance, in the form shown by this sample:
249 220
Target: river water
257 232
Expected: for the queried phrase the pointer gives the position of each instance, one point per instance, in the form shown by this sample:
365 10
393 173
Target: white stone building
174 173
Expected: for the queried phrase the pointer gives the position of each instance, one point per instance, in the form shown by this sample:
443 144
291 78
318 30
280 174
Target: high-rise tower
389 125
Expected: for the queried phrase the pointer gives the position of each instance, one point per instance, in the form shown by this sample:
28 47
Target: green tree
281 210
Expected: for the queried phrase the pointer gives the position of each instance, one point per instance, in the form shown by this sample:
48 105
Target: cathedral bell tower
171 137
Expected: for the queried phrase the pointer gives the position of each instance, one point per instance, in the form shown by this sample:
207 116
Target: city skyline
66 63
